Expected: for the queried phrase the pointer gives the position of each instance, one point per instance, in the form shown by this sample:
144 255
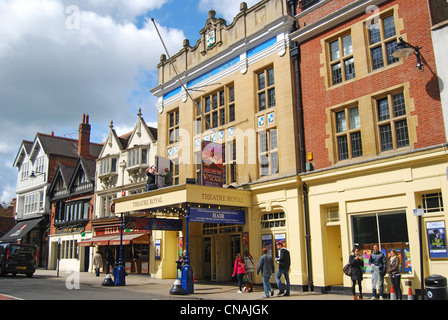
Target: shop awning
186 193
19 230
127 238
114 240
85 243
102 241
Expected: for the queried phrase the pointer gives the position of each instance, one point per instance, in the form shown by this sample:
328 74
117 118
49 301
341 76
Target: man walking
266 265
284 262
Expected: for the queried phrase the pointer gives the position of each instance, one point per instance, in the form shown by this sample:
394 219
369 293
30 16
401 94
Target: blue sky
62 58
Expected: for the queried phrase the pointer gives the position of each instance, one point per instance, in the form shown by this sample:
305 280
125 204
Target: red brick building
373 134
328 87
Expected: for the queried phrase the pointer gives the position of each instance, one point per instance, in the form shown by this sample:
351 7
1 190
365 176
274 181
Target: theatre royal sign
188 193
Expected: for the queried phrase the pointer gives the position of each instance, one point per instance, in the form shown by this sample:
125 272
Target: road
45 287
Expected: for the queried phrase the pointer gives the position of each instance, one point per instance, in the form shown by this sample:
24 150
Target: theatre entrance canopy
177 197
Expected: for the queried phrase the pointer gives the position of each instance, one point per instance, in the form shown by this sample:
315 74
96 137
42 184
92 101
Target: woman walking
250 268
356 262
239 269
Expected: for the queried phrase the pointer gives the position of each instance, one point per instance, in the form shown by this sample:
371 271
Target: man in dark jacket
284 262
377 261
266 265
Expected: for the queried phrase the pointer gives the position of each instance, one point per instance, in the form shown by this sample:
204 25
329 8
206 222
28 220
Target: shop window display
389 230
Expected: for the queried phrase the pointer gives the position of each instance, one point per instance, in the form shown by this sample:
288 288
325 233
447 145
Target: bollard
177 288
108 281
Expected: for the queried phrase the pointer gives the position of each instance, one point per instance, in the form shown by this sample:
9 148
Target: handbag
347 269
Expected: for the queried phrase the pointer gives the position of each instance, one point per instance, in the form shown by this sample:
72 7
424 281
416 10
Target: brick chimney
84 137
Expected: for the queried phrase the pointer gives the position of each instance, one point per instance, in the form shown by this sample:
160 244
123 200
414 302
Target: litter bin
436 287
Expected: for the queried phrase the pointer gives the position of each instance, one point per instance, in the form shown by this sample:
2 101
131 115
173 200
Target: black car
18 258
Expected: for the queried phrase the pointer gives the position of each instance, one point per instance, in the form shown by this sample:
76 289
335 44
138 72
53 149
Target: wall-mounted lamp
35 174
405 49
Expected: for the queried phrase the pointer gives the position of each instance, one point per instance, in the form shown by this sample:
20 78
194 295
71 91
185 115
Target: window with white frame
25 170
33 202
137 157
268 152
40 165
108 165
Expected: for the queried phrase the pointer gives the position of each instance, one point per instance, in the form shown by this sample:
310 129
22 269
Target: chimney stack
84 137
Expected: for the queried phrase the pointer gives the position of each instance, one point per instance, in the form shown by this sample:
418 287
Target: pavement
203 290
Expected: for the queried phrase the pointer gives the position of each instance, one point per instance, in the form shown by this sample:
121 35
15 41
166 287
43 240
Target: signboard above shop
186 193
208 215
153 224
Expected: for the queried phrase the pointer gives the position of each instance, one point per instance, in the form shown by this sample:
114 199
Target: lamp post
405 49
120 273
187 271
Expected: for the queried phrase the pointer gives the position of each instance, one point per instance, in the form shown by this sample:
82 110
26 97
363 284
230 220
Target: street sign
419 212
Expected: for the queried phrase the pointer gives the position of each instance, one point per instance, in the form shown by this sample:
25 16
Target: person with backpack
356 263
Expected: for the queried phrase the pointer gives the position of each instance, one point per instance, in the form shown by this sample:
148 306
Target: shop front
380 202
218 227
106 240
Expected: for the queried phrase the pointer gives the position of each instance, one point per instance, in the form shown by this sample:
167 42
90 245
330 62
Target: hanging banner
207 215
212 164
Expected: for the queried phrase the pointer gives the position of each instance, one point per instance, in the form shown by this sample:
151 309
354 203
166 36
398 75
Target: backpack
347 269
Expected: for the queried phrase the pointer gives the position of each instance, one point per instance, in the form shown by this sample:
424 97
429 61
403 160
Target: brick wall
318 96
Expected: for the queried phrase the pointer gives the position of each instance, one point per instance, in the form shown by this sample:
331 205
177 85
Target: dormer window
25 170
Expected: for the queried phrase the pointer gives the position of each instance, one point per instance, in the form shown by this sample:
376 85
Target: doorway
207 264
334 256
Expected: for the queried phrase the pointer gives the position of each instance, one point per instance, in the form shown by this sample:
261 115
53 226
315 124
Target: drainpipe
307 237
295 55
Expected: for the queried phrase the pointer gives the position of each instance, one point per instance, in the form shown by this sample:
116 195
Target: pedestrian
250 268
110 260
394 272
377 261
168 176
266 265
356 262
240 271
181 261
151 182
284 262
97 262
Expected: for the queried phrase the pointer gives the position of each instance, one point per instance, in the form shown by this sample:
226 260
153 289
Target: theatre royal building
297 122
231 90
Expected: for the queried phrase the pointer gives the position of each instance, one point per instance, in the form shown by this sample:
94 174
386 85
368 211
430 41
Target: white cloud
44 64
225 9
119 10
51 74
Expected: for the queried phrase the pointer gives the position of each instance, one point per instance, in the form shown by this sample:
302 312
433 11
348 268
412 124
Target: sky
60 59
